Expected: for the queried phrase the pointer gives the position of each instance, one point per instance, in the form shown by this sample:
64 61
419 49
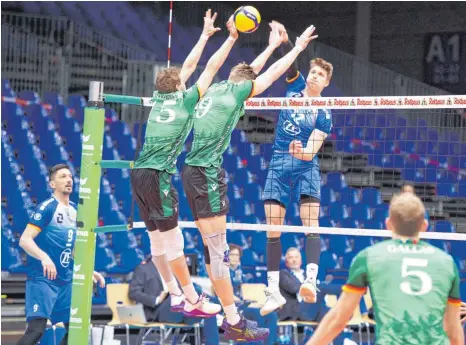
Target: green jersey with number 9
215 117
170 121
410 284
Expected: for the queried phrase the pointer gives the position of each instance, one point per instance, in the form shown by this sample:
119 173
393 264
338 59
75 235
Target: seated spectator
148 288
291 279
251 313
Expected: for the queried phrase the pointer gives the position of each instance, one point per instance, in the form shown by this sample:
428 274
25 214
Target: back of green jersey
168 126
215 117
410 284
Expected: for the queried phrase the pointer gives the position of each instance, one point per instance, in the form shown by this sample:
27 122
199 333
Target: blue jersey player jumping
294 168
49 242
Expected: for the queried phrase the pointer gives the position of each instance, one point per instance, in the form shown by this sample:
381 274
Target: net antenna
170 21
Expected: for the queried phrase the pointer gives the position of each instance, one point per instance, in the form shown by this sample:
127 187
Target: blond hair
407 214
325 65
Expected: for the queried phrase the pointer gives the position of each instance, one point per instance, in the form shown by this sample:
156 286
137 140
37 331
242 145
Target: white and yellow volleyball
247 19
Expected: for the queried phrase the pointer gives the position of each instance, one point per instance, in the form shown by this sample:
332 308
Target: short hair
292 249
167 80
325 65
236 247
55 168
406 214
244 71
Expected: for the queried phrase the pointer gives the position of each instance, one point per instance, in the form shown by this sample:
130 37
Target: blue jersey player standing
49 242
294 168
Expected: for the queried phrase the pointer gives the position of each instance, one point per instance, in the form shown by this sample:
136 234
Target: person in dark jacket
148 288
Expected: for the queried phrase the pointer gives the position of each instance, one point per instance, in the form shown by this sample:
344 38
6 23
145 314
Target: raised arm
336 319
218 59
275 39
285 48
278 68
190 64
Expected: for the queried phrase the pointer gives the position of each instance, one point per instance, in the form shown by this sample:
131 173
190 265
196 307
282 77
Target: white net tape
321 230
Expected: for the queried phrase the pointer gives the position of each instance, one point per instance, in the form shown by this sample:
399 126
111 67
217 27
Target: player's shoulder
47 205
438 253
74 205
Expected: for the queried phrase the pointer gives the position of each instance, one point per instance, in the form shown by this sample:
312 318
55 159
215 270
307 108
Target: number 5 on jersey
426 280
166 114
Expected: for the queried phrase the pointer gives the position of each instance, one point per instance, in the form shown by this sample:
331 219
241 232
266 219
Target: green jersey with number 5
215 117
170 121
410 285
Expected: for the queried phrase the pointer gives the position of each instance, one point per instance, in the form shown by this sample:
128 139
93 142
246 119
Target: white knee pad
174 243
157 246
218 251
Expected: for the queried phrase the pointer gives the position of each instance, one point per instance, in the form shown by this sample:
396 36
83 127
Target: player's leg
309 210
148 200
40 298
276 193
61 309
206 190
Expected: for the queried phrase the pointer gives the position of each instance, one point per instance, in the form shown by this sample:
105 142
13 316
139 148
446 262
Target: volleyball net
375 146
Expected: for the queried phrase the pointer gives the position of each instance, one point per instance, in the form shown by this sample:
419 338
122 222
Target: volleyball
247 19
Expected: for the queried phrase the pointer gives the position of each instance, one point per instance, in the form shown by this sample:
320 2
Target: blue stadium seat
349 223
348 258
376 224
446 188
326 222
350 196
336 181
249 258
361 242
381 212
371 196
462 188
6 89
327 196
53 98
361 212
31 96
105 260
328 260
130 259
337 212
444 226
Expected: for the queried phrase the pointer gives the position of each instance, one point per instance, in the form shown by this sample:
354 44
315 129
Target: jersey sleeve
42 216
296 84
454 295
324 121
243 90
357 278
191 97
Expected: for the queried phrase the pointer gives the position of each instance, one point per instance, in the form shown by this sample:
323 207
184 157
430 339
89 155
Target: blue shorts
289 175
48 299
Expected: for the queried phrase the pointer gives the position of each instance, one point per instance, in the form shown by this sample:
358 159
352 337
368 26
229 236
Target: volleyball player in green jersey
215 117
168 125
414 286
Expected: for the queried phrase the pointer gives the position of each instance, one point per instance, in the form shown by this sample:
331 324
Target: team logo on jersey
291 128
76 268
82 181
165 191
214 187
86 138
37 216
65 257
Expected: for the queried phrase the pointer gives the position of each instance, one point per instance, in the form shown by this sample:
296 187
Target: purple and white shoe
245 331
224 324
177 303
201 308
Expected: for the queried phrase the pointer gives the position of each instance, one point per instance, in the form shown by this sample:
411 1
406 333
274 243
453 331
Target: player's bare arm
190 64
336 319
316 139
463 312
30 247
452 324
218 59
275 39
278 68
285 48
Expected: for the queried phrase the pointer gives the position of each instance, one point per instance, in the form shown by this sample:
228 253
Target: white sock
190 293
232 315
311 271
273 280
173 287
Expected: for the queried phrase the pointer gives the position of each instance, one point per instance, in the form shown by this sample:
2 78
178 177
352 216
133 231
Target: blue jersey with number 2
57 225
299 124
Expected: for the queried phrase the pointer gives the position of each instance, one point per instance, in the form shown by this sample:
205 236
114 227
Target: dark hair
243 71
167 80
238 248
55 168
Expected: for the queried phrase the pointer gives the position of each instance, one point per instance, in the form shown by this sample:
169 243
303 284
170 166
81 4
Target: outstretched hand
232 28
274 38
281 30
306 37
209 19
